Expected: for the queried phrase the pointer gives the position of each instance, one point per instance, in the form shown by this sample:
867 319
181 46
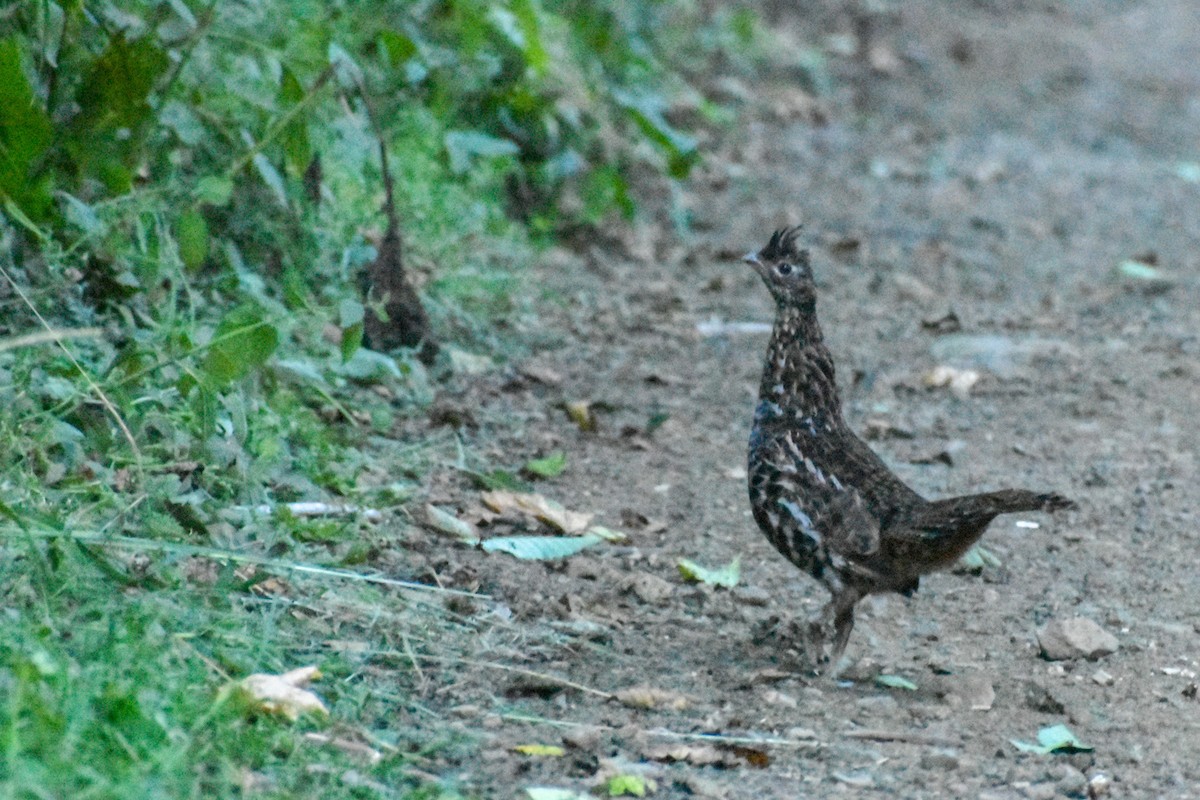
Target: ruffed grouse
822 497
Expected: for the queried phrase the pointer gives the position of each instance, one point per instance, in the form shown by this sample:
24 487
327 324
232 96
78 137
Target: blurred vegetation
190 193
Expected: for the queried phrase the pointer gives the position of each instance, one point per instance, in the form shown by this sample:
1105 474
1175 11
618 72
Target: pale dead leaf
698 755
284 694
580 412
957 380
538 507
648 697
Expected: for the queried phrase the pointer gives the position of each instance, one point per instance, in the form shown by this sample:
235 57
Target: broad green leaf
628 786
399 46
242 342
551 750
271 177
180 118
352 338
895 682
726 576
1054 739
647 111
191 235
114 91
465 146
214 190
540 548
82 215
528 21
350 318
25 134
369 366
297 152
549 467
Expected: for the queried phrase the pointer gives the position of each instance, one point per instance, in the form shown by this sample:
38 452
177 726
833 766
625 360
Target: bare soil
994 160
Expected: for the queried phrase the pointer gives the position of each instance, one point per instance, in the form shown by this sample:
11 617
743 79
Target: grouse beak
752 259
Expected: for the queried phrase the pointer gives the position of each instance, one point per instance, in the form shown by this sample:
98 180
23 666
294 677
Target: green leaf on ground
628 786
540 548
979 557
727 576
1054 739
895 682
549 467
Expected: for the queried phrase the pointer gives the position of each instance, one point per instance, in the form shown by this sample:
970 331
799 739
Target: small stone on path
1076 637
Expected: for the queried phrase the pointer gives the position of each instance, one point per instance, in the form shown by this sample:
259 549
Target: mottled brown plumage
822 497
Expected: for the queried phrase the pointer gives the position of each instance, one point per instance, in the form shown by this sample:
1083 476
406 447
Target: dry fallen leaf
698 755
284 694
580 412
649 697
538 507
957 380
552 750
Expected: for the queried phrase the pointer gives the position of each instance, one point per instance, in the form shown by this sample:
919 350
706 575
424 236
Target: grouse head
786 271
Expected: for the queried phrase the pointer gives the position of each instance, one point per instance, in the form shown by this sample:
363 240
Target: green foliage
190 191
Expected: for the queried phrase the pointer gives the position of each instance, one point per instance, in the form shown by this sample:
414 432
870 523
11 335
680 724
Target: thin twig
53 335
910 737
217 553
663 733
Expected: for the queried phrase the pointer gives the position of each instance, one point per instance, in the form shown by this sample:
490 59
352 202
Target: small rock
582 738
1071 781
1102 678
1041 791
650 588
752 595
1098 786
1077 637
943 758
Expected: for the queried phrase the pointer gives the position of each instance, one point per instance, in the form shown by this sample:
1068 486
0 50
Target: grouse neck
799 374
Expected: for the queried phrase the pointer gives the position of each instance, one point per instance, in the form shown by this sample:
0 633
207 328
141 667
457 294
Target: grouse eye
784 269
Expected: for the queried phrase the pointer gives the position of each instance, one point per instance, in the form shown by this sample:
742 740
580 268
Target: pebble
1071 781
1102 678
1075 637
1098 786
752 595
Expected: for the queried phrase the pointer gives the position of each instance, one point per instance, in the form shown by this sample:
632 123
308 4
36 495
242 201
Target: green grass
154 210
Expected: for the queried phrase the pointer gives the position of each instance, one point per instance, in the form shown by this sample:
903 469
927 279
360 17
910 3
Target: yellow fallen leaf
580 412
540 750
534 505
284 694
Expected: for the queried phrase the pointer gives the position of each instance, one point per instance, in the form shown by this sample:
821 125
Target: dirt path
1002 164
